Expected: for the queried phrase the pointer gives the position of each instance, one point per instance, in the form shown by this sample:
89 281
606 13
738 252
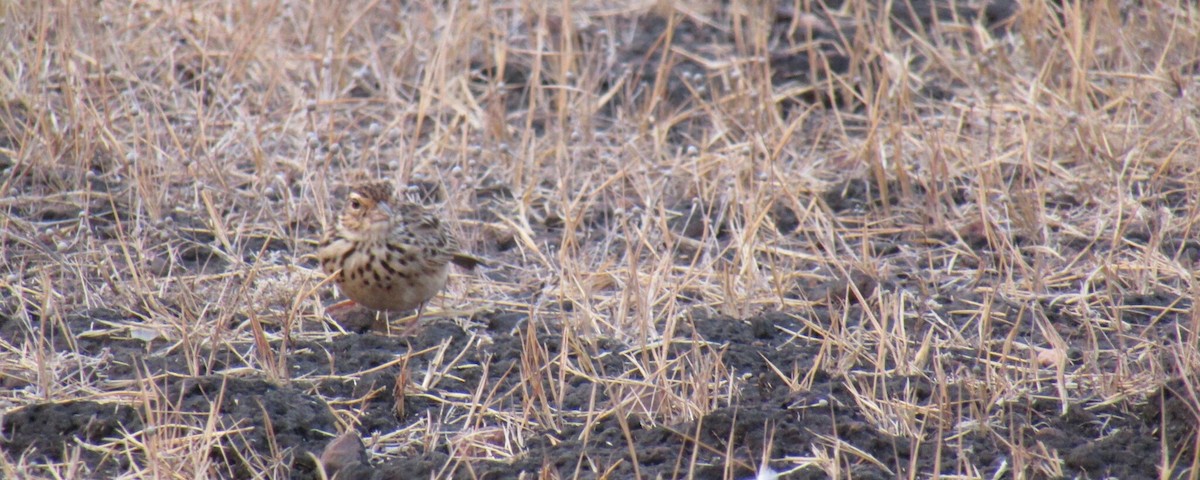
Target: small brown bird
387 254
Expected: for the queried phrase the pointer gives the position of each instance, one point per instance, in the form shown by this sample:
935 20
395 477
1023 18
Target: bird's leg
352 317
383 322
420 311
412 324
340 307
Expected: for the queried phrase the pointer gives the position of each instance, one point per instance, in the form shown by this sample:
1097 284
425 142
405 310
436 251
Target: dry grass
172 164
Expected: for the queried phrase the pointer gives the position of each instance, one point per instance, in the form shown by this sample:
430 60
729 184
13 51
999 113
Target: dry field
857 239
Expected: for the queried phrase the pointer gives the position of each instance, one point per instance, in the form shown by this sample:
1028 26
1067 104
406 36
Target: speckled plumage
387 254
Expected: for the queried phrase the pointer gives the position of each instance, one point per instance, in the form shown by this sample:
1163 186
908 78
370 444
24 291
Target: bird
388 254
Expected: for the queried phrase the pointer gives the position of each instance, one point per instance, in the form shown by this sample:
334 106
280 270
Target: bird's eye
355 204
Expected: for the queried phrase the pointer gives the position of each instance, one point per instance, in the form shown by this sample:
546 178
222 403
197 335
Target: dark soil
1094 440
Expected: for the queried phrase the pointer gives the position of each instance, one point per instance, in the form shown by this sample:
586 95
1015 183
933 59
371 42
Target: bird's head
369 209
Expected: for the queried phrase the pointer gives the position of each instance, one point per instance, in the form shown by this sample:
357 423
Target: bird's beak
382 212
